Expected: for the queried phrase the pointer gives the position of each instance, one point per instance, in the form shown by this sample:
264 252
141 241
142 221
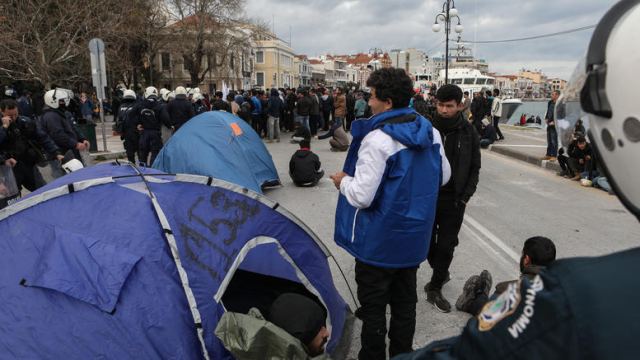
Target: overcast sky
339 26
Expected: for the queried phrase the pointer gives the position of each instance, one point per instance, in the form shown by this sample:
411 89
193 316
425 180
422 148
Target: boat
509 107
471 80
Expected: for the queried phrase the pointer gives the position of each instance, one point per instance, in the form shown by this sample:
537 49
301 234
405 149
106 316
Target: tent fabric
220 145
89 273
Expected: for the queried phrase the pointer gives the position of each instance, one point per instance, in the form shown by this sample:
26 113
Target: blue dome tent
117 262
220 145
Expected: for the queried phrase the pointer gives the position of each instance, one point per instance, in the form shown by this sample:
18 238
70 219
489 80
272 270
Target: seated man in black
580 158
304 167
488 134
538 253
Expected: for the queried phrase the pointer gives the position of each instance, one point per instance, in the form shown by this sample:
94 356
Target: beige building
274 63
231 67
536 76
557 84
302 71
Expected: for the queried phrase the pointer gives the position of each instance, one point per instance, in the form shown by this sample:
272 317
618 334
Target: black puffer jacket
462 147
304 166
179 111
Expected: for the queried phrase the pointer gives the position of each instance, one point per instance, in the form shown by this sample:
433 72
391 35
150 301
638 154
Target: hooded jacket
387 203
304 166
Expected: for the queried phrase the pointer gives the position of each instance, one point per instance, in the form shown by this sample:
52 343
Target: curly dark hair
394 84
449 92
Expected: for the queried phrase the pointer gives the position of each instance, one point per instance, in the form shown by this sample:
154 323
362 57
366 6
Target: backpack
122 117
148 117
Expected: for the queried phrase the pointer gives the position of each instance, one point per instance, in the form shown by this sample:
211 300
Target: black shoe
439 302
471 289
487 282
428 286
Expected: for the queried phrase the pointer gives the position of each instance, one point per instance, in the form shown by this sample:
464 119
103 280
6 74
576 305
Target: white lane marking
493 238
507 264
538 139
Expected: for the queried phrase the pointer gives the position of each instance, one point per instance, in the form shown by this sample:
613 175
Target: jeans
377 288
496 125
339 121
274 128
444 237
552 141
304 121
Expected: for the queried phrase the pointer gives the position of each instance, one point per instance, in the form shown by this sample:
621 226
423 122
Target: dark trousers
552 141
26 175
150 143
496 125
326 117
131 146
377 288
444 237
577 168
314 124
255 122
563 160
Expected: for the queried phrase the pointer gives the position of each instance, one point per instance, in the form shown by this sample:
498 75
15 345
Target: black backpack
148 117
123 112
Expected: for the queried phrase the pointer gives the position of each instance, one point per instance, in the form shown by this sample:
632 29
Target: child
304 167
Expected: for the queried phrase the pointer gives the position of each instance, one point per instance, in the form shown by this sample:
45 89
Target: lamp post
449 12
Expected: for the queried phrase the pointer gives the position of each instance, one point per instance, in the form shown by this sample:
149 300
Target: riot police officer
60 128
579 308
126 125
149 118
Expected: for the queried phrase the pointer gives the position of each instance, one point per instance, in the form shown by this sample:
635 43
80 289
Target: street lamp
449 12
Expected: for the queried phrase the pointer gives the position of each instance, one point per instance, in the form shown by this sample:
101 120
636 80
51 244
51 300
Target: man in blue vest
577 308
388 193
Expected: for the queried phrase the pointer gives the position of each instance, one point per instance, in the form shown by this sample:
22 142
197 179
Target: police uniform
570 311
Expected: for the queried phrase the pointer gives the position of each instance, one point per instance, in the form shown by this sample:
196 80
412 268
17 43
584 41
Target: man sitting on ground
304 167
339 139
489 135
538 253
580 158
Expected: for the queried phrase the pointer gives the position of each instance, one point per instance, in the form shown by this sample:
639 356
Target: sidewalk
115 148
525 144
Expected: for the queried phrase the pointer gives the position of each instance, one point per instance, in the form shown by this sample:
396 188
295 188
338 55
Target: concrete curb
109 155
531 159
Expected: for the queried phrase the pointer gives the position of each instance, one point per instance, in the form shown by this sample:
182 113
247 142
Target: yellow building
536 76
274 63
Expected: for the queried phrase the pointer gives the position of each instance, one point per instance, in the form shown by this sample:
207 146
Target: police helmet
150 92
129 94
608 103
180 90
56 97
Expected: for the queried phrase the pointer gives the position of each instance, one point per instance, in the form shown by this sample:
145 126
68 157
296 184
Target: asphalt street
514 201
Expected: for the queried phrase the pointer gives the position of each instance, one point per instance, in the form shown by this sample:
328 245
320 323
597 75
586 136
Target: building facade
274 63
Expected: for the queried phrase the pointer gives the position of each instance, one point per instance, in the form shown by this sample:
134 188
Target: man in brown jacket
340 105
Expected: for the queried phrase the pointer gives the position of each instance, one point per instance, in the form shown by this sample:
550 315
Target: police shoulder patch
504 305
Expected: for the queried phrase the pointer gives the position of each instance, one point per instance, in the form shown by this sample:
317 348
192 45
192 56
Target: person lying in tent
295 329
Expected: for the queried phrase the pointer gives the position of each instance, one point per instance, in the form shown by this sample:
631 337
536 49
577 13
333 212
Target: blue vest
395 230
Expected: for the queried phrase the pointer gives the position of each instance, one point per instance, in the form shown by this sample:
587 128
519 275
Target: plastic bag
9 192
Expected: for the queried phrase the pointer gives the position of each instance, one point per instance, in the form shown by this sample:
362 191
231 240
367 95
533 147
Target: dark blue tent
220 145
117 262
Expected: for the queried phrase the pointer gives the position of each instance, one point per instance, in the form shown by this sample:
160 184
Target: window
490 81
165 61
260 78
456 81
481 81
231 62
469 81
260 57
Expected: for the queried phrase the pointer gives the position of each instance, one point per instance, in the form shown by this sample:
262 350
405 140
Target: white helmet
53 98
610 105
180 90
150 91
163 94
129 94
171 96
197 96
72 165
188 91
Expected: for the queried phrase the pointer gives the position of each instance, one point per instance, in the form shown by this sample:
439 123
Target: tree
209 35
46 40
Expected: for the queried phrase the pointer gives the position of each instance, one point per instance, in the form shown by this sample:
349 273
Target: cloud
339 26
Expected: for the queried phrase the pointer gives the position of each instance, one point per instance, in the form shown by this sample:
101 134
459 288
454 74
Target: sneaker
471 288
428 286
486 282
435 298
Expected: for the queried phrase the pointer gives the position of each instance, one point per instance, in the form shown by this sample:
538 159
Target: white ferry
470 80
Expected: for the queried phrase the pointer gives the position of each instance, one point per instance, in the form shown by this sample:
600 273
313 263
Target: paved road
514 201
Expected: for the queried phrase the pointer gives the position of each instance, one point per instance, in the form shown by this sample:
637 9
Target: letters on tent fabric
228 217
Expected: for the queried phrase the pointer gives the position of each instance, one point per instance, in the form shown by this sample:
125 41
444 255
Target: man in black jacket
149 118
477 110
22 145
304 167
179 109
462 147
59 124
